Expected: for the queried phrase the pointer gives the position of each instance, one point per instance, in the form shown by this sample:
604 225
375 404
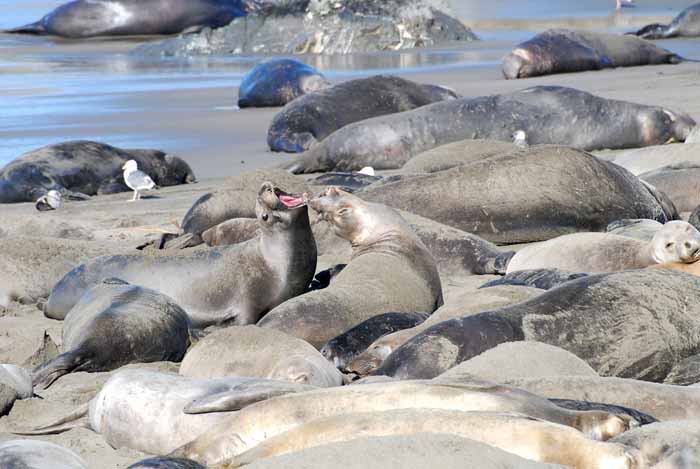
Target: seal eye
668 245
265 216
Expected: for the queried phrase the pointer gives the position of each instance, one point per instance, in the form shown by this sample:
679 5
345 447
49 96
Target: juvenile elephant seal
257 352
276 82
679 182
566 51
86 168
686 24
15 383
145 410
532 195
676 241
166 463
343 349
315 116
391 270
241 431
542 112
644 335
89 18
511 432
33 454
233 284
114 324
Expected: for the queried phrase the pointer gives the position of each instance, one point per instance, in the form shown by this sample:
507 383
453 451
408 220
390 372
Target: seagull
623 4
520 139
137 180
367 171
51 201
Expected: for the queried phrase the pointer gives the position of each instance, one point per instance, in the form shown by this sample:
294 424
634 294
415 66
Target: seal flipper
76 419
45 374
36 28
652 31
243 396
545 279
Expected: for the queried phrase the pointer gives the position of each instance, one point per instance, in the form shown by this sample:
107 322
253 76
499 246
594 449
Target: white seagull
136 180
520 139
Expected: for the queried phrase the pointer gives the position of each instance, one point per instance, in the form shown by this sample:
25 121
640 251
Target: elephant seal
349 182
256 352
216 286
456 154
686 24
276 82
149 411
243 430
542 112
532 195
315 116
566 51
515 433
390 270
676 241
545 279
644 335
663 441
15 383
79 168
679 182
343 349
114 324
89 18
33 454
166 463
645 160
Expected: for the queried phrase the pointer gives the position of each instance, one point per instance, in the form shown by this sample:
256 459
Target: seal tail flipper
236 399
76 419
45 374
31 28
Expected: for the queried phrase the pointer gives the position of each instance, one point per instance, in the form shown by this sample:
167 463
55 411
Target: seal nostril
687 245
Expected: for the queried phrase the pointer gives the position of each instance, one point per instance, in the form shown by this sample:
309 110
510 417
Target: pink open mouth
292 202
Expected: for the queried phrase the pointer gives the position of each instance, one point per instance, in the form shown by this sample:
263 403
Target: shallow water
55 90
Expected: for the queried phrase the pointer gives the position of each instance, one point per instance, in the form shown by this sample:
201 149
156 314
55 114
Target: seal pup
51 201
566 51
243 430
676 241
221 285
78 169
89 18
514 433
157 412
343 349
686 24
542 112
34 454
137 180
276 82
314 116
390 270
546 182
15 383
115 324
257 352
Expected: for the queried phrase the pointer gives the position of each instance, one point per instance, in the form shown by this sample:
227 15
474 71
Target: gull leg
136 193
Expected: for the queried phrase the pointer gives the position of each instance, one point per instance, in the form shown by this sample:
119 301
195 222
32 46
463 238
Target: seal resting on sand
686 24
676 241
233 284
391 271
32 454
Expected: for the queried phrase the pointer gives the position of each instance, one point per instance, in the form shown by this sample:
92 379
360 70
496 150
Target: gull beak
124 166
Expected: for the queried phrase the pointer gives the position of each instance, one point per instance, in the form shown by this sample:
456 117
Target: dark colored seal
167 463
115 324
90 18
344 348
641 417
566 51
686 24
315 116
349 182
82 168
276 82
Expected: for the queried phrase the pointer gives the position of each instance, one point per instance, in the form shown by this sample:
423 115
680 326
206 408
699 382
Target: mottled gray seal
114 324
680 182
565 51
533 195
166 463
643 337
676 241
276 82
348 345
33 454
391 270
223 285
257 352
86 168
15 383
686 24
515 433
241 431
89 18
315 116
542 112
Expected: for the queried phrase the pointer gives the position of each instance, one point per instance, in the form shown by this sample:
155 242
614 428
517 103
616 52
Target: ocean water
53 90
